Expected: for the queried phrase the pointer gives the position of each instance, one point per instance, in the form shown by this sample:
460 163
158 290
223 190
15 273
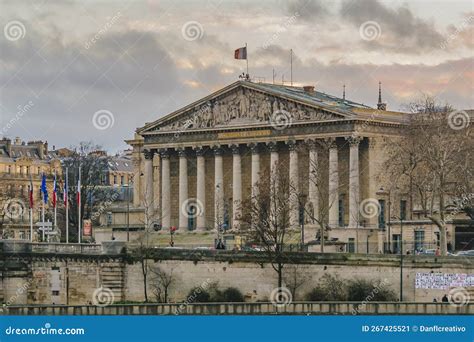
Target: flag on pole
30 193
65 191
78 199
241 53
44 189
55 190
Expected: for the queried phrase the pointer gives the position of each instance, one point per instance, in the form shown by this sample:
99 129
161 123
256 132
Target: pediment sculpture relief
243 106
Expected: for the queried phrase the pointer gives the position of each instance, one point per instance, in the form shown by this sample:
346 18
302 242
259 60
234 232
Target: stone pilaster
354 196
294 185
313 179
255 168
149 204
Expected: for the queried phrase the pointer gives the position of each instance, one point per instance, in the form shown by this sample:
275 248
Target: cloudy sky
133 61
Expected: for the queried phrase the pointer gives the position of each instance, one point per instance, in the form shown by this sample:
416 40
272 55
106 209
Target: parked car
427 252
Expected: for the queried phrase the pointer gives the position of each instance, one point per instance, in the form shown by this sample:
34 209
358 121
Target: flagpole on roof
247 59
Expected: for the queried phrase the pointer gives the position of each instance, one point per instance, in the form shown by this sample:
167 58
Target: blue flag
44 189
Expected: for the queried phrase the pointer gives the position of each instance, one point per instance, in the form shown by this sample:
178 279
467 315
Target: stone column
274 158
255 168
165 190
354 181
313 177
333 184
294 185
219 188
183 190
149 205
201 189
236 185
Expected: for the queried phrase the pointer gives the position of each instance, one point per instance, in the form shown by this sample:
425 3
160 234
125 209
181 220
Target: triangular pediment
239 104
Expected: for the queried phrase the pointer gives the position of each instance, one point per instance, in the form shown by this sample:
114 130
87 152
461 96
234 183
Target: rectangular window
382 214
122 182
403 209
419 239
115 179
396 243
341 212
351 245
55 293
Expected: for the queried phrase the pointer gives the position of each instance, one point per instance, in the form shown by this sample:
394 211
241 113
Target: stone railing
16 247
296 308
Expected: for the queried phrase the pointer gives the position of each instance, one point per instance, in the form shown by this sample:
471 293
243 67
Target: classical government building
197 164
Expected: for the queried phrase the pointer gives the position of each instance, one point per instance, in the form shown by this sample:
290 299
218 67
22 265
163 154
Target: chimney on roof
17 141
381 105
308 89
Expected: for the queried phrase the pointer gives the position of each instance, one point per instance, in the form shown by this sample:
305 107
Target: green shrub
198 295
232 294
370 290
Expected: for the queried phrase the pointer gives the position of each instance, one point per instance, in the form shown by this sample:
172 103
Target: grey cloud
308 10
400 27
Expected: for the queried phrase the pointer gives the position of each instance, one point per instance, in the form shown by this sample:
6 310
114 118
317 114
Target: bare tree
294 278
432 161
161 283
266 217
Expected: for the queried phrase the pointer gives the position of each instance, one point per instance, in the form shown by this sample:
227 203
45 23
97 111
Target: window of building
403 209
419 239
341 212
55 293
9 170
122 180
27 170
382 214
115 179
351 245
396 243
109 219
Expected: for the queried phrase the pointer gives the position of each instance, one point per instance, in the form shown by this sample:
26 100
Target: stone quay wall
65 277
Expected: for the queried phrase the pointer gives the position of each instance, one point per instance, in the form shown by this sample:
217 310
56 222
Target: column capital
354 140
235 148
164 153
311 143
199 151
181 151
330 142
372 142
273 146
292 145
254 148
148 154
217 150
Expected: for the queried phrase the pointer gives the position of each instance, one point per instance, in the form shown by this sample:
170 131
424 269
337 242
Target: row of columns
313 193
